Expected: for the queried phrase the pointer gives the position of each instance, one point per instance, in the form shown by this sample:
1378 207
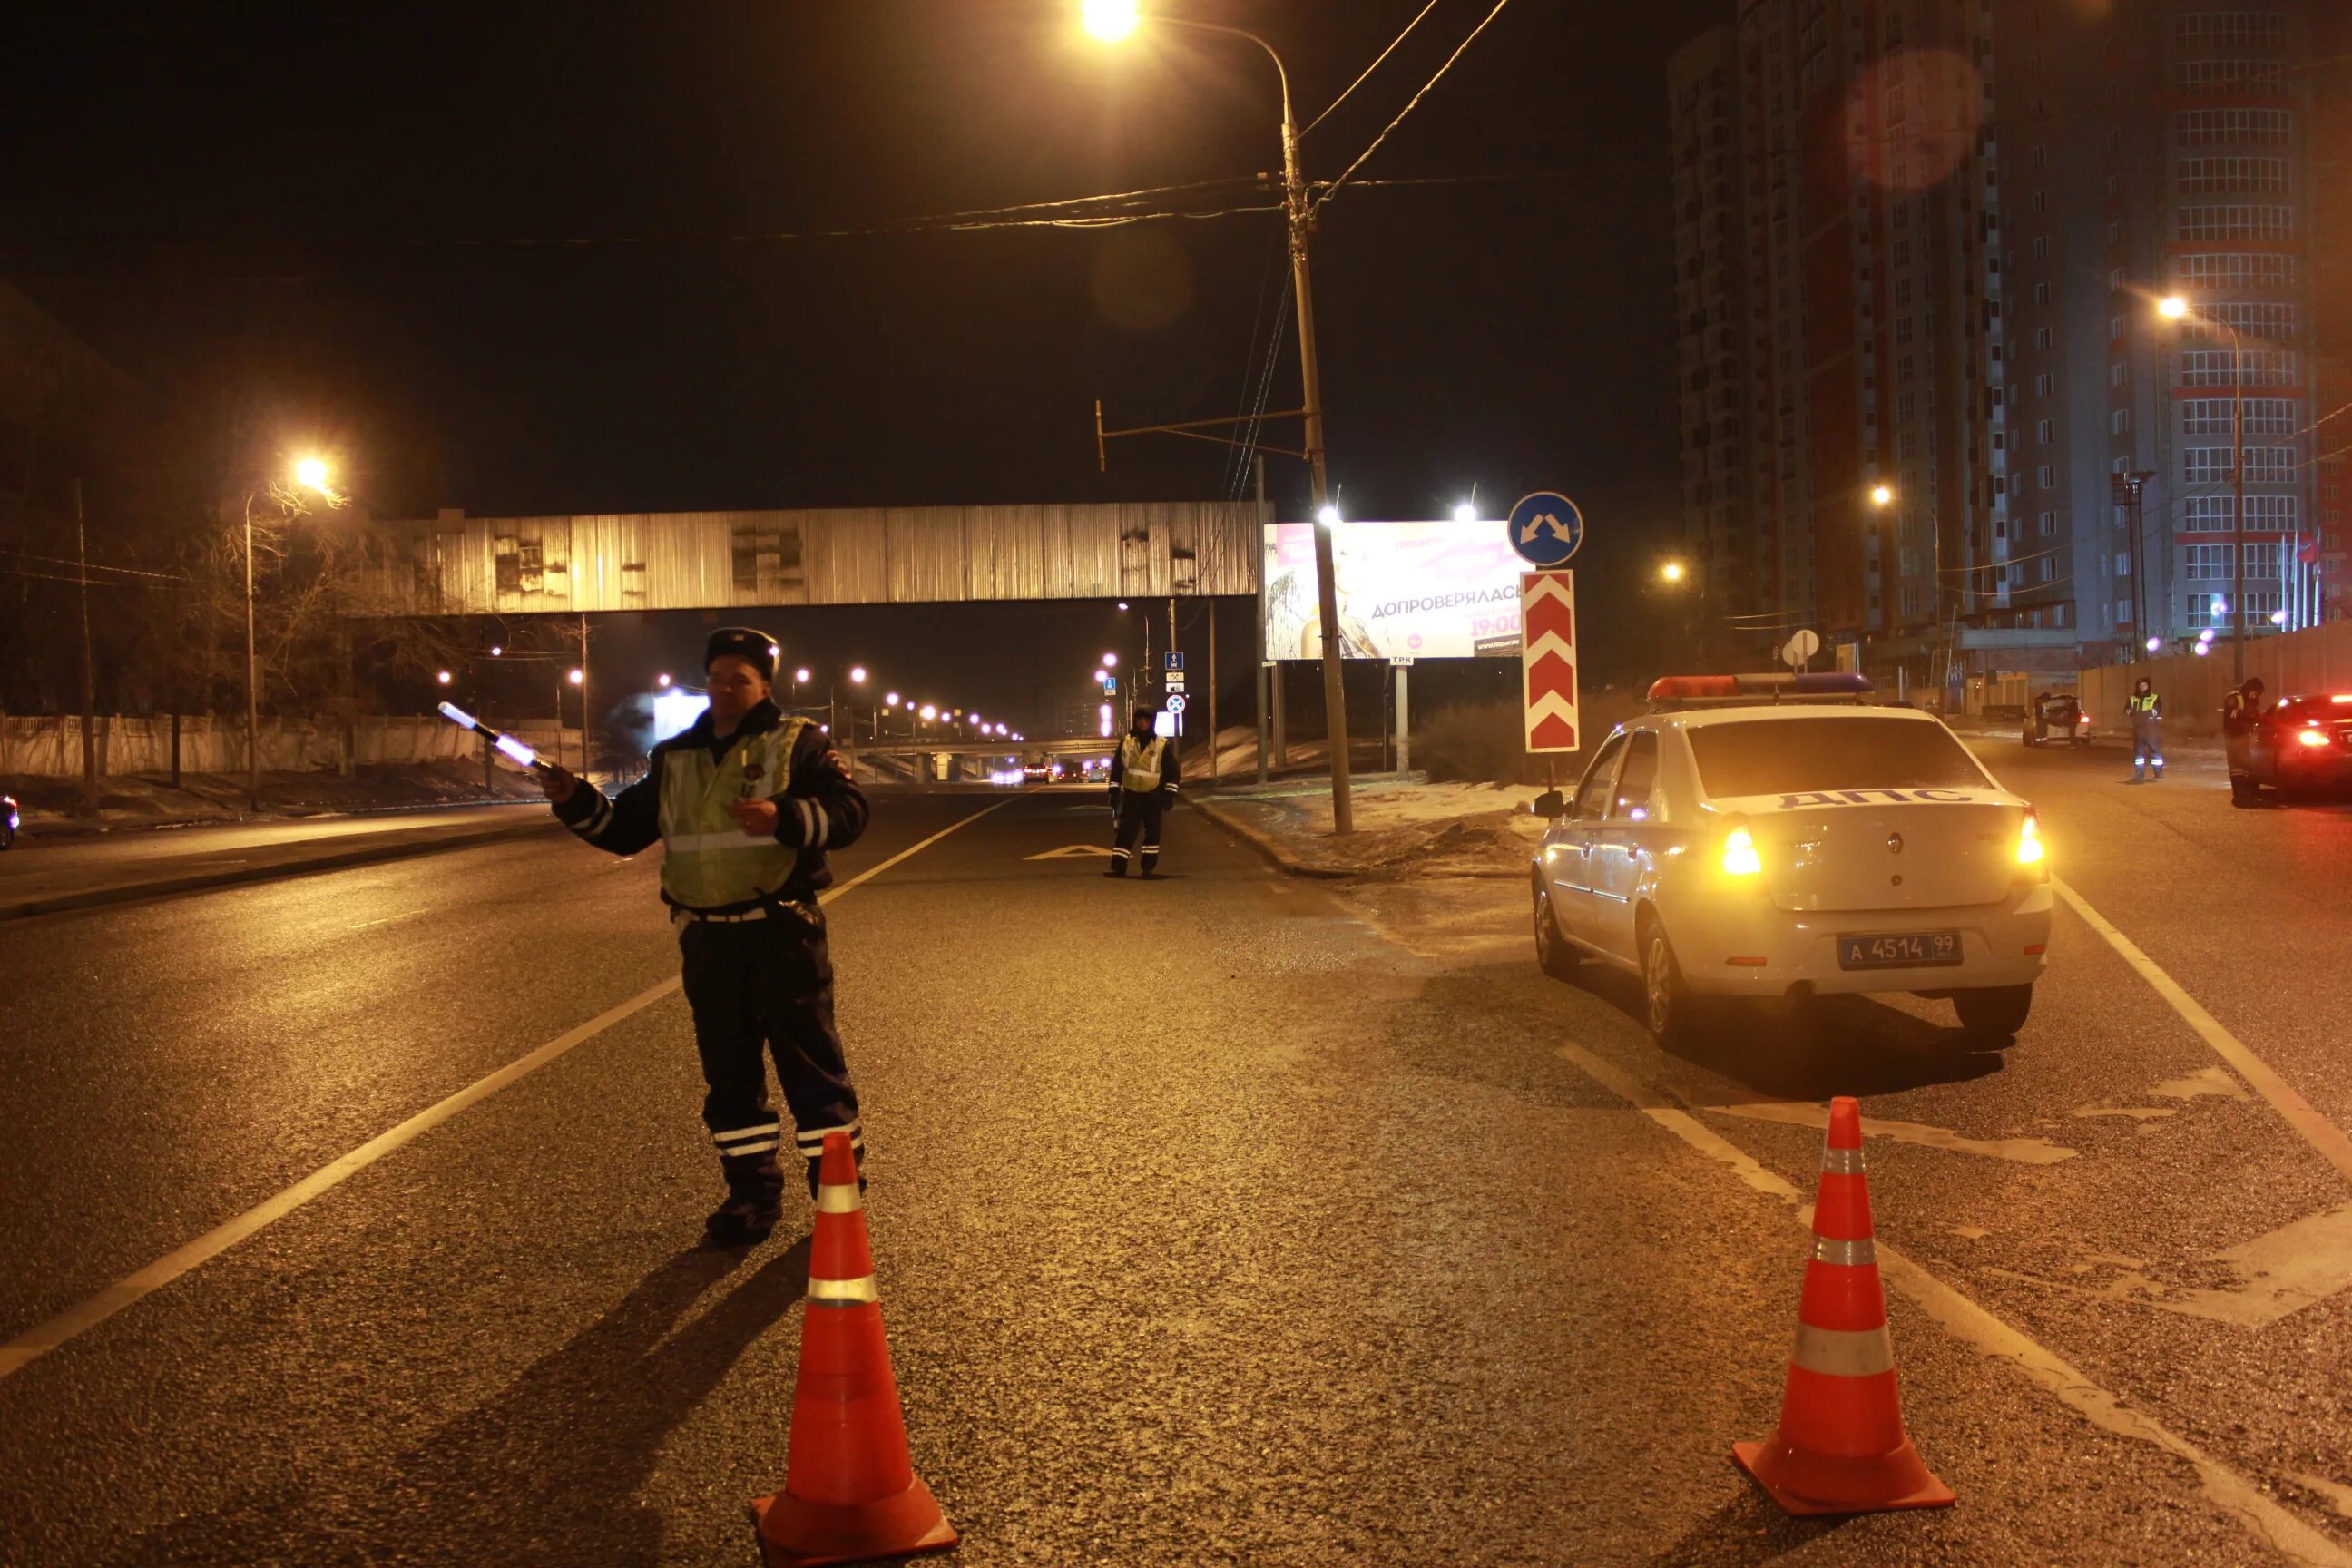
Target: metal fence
2192 687
50 746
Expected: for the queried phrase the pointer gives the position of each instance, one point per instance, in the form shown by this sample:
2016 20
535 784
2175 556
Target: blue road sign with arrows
1546 528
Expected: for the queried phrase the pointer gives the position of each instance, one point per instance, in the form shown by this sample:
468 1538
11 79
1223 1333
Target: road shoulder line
87 1314
2299 1114
2261 1516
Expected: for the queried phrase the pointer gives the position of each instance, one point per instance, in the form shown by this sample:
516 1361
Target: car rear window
1784 756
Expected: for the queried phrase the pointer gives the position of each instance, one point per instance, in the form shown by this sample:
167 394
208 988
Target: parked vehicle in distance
2056 715
2302 747
1774 838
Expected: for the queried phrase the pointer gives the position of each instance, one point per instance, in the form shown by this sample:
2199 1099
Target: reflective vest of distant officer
2241 714
2146 711
1143 785
746 802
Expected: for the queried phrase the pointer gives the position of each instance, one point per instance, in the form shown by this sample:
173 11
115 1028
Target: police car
1774 838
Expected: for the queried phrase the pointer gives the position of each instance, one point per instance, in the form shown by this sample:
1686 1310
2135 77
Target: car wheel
1554 954
1668 1008
1994 1012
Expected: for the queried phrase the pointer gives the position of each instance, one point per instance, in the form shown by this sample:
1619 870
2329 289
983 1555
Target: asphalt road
1225 1219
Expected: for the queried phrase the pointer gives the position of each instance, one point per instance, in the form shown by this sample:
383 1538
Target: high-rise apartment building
1945 367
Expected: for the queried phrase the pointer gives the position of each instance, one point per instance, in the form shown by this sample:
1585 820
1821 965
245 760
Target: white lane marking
2261 1516
2338 1495
1072 852
87 1314
2204 1080
1798 1113
2285 1272
2300 1114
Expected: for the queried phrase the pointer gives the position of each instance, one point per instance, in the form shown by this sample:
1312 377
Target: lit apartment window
2232 272
2206 563
2222 127
2220 367
2217 415
2231 177
2229 76
2230 29
2268 222
2210 465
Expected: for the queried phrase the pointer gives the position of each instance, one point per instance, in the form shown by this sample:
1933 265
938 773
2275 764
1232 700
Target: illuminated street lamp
1110 660
576 677
1112 20
1672 572
2175 308
857 675
662 680
312 473
442 676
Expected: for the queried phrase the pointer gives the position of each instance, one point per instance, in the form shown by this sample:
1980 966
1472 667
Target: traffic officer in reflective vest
746 803
1143 785
2146 709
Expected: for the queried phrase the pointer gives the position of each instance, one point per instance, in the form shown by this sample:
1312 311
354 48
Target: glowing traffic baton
515 749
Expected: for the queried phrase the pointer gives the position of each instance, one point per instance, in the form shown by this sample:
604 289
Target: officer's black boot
754 1202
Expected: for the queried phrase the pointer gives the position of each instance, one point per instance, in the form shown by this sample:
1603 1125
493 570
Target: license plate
1900 950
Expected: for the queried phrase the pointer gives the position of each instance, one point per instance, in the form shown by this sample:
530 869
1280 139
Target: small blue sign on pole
1546 528
1172 659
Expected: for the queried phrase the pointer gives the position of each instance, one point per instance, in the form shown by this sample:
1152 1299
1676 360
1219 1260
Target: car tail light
2083 718
1739 856
2030 850
2311 737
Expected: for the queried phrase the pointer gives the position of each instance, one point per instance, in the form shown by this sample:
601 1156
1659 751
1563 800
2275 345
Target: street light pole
252 678
2238 504
1298 216
1301 220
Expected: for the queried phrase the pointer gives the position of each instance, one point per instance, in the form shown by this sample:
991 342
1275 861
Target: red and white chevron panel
1547 659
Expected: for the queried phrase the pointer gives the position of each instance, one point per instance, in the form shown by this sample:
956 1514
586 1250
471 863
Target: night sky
487 253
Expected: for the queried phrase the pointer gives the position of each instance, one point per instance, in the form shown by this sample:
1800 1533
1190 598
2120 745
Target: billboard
1406 590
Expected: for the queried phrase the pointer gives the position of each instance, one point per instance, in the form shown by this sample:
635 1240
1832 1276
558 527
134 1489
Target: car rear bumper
1720 946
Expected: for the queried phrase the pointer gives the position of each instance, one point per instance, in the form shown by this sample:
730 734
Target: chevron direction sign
1547 659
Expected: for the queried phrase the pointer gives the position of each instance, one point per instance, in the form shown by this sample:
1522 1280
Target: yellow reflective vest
1138 763
708 862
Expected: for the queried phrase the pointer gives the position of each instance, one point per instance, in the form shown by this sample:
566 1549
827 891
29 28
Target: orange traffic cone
850 1491
1839 1446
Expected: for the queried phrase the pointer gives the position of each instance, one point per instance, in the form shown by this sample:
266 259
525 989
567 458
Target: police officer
746 803
1143 785
2146 711
2242 712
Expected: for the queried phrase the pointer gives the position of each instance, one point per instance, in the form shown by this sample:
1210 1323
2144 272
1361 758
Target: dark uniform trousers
1139 818
759 986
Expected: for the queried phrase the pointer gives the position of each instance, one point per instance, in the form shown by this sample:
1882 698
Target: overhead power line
1411 104
1368 69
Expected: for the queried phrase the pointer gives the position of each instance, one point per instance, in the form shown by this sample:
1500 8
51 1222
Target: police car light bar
1774 687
